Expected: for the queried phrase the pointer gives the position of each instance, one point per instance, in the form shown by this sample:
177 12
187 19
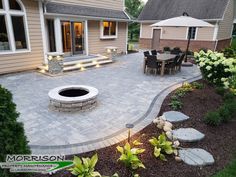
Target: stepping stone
196 157
188 135
174 116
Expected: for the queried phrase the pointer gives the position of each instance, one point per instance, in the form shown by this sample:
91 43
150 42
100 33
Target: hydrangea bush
216 68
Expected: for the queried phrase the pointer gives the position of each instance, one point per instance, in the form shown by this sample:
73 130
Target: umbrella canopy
182 21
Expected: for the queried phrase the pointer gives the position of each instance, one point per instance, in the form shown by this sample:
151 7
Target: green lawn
229 171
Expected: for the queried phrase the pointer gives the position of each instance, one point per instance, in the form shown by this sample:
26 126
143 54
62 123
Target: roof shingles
59 8
201 9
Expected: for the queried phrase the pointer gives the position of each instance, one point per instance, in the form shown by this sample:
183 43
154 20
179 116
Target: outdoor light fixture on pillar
111 51
55 63
129 127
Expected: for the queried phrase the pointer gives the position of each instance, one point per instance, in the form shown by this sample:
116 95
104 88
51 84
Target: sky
145 1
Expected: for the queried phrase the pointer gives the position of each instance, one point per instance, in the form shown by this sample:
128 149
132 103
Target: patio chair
176 51
179 62
146 53
154 52
152 64
171 67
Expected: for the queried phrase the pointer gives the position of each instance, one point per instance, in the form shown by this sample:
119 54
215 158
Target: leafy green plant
176 104
197 85
224 113
129 156
213 118
229 52
85 167
215 67
115 175
12 136
231 106
220 90
229 96
162 146
166 49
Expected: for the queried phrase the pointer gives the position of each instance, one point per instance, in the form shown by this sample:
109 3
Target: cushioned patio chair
179 62
146 53
152 64
171 67
154 52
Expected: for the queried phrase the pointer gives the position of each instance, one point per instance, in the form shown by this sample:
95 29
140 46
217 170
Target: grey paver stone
174 116
196 157
188 135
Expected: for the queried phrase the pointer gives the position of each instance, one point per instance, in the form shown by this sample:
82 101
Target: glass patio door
78 37
72 38
66 38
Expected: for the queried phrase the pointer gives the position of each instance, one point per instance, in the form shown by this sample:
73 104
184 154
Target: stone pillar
55 63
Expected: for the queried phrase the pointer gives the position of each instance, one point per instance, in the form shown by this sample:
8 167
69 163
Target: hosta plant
162 146
85 167
129 156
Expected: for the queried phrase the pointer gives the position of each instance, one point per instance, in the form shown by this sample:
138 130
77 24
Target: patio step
97 61
86 65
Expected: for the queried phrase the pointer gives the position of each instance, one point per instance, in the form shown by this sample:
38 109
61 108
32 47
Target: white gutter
85 17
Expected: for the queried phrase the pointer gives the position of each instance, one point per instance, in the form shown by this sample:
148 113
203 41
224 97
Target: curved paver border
117 137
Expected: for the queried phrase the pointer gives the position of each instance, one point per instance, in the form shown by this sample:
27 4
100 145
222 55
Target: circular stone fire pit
73 98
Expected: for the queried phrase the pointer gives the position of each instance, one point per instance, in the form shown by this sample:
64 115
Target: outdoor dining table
163 58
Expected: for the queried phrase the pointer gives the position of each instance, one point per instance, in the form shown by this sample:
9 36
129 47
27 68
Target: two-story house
220 13
31 28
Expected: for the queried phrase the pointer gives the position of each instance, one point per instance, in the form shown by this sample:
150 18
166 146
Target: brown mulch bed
220 141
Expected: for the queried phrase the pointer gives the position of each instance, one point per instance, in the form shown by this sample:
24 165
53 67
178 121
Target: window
1 4
13 33
4 44
109 29
192 32
19 32
14 5
51 35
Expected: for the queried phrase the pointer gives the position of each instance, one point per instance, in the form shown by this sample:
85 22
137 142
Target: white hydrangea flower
208 68
209 75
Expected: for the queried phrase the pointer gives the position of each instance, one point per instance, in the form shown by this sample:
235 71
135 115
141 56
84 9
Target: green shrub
215 67
162 146
229 52
224 113
166 49
197 85
176 104
229 97
231 106
220 91
12 137
213 118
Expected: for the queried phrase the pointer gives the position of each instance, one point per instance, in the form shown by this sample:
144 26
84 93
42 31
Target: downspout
215 37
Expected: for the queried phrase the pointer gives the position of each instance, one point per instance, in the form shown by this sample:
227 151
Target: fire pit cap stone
54 94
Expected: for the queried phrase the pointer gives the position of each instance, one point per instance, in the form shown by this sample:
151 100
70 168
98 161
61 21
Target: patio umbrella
183 21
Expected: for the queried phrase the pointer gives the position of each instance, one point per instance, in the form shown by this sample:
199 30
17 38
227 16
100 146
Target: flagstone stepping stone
196 157
188 135
174 116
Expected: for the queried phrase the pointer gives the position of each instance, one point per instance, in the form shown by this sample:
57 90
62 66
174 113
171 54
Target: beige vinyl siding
29 60
225 26
146 31
174 33
205 34
107 4
97 45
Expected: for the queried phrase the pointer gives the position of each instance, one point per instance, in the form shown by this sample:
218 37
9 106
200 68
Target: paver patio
125 95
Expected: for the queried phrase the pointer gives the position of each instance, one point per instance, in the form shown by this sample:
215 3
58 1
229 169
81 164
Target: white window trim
9 26
195 33
105 36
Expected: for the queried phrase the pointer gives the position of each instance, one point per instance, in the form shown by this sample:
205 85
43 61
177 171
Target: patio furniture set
156 61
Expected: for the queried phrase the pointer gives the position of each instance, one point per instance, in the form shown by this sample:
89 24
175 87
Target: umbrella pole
186 56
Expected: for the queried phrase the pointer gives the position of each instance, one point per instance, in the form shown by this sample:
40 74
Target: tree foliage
134 8
12 137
